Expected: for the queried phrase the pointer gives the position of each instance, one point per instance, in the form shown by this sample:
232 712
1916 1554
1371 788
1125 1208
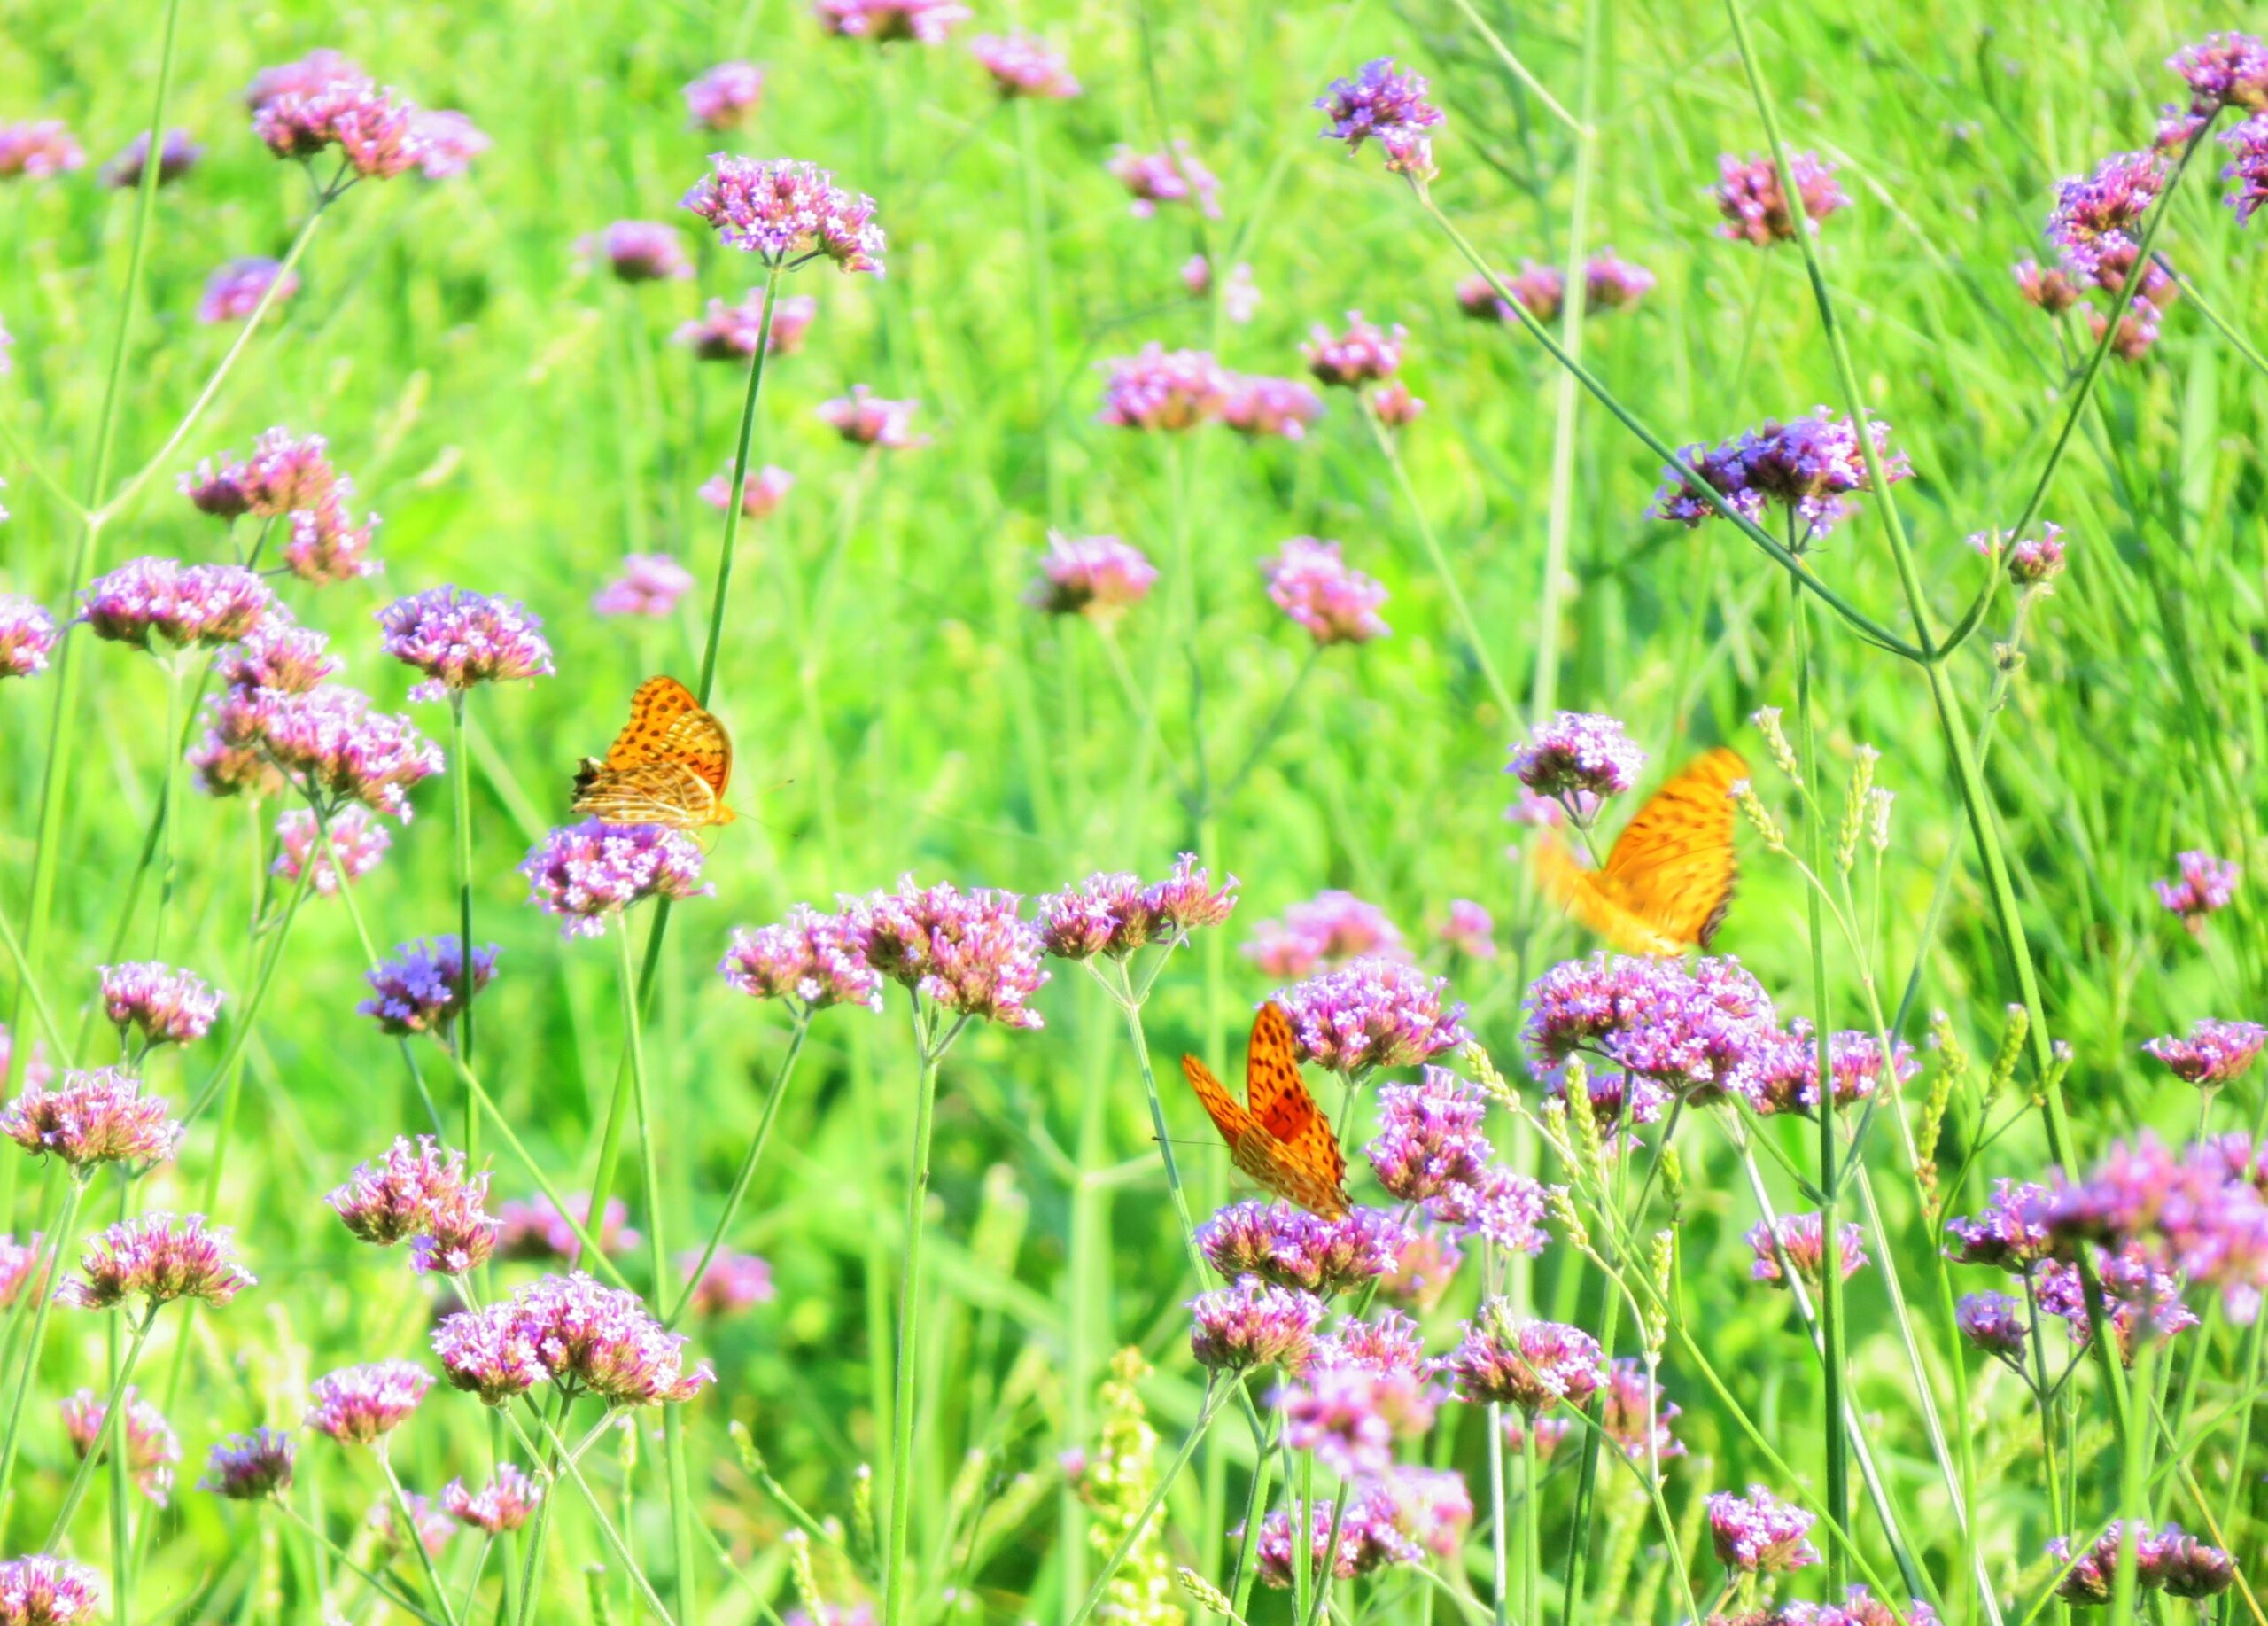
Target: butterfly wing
650 793
668 729
1307 1163
656 708
1232 1120
1668 880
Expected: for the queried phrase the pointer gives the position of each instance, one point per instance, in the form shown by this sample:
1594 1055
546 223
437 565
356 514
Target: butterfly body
670 764
1668 879
1278 1135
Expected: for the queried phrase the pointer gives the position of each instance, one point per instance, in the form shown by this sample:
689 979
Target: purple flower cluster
1115 913
1382 102
152 1447
27 637
246 1468
290 478
157 1258
1811 466
2215 1054
162 604
729 332
926 21
1260 407
2032 561
1025 64
788 212
733 1282
1310 581
585 1338
650 584
2205 885
1994 1322
2248 167
357 843
1787 1080
1162 389
539 1231
376 134
1364 353
1759 1533
38 149
1636 1415
1350 1414
1529 1366
1757 210
1254 1322
505 1503
725 97
1797 1243
1610 283
1430 1150
812 959
165 1006
47 1591
2171 1561
762 491
2101 214
589 872
92 1117
327 742
1098 576
177 155
1240 296
235 287
1469 930
1329 930
1172 177
639 251
1373 1012
1704 1033
18 1262
420 1191
1578 759
458 638
1369 1537
966 951
358 1405
864 418
1289 1248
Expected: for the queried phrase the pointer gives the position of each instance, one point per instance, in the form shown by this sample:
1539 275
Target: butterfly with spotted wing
1668 879
1280 1138
670 764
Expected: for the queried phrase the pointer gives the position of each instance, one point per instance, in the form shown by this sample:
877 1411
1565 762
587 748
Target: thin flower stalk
415 1542
780 1076
59 1238
1216 1394
107 1443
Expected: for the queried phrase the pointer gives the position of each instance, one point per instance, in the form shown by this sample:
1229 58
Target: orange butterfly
670 764
1668 880
1282 1140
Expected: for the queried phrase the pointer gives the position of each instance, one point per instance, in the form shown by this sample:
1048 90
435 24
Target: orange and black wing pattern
1668 879
670 764
1281 1139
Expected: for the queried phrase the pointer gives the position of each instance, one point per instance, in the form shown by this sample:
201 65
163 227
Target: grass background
520 423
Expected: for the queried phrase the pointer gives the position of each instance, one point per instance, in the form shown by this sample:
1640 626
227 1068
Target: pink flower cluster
588 873
1363 353
1432 1149
420 1193
290 478
360 1405
96 1116
1162 389
2170 1560
157 1258
812 960
236 288
27 637
38 148
725 97
1098 576
2205 885
151 1446
1797 1243
966 951
2032 562
1285 1246
1390 105
650 585
459 638
1172 177
1115 913
1025 64
2215 1054
1757 210
164 605
1810 466
376 134
538 1230
357 844
246 1468
569 1330
788 212
864 418
163 1005
730 332
762 493
1577 759
505 1503
1704 1033
1759 1533
1373 1012
1310 581
1326 932
1529 1366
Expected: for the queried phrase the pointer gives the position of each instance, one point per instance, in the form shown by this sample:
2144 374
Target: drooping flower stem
747 1172
409 1534
1215 1394
107 1439
43 1275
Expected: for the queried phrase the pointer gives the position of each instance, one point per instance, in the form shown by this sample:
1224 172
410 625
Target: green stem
240 1034
721 593
1499 1537
1134 1031
38 1001
739 1192
408 1533
1215 1394
168 868
378 1583
106 1439
613 1537
461 808
41 1285
1532 1527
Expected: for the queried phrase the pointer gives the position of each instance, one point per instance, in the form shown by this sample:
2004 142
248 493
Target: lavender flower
2206 884
1529 1365
1350 1416
1373 1012
1994 1322
505 1503
812 959
27 637
357 841
926 21
733 1282
1162 389
1103 914
2008 1235
1423 1268
1098 576
2247 169
337 750
446 142
47 1591
539 1231
300 77
1370 1539
1759 1533
1787 1078
358 1406
1252 1324
234 289
1390 106
375 133
93 1118
639 251
725 97
38 149
460 1235
1636 1415
1023 64
1578 758
2051 290
162 604
1430 1139
1326 932
1188 898
1395 407
786 212
458 638
152 1448
1260 407
246 1467
1703 1033
325 546
2223 70
1470 930
1755 208
1811 466
1171 176
1287 1248
2033 561
589 872
966 951
1611 283
392 1200
1504 1206
1619 1106
1239 295
2102 212
285 473
1364 353
165 1006
585 1338
157 1258
277 654
650 585
762 491
864 418
2214 1052
18 1262
176 157
1310 582
726 332
1797 1242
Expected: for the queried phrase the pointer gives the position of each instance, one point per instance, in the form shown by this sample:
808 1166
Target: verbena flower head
966 951
92 1117
1619 1105
1103 914
813 958
374 131
2215 1054
1994 1322
287 471
324 545
1529 1366
1162 389
27 637
460 1235
235 287
1261 408
1239 295
2171 1559
357 843
162 604
1504 1205
1396 405
19 1262
301 76
2223 70
723 97
1575 756
1098 576
1172 177
1254 1323
762 491
2246 171
1188 898
505 1503
1430 1141
1310 582
177 155
864 418
165 1006
1290 1248
246 1468
1759 1533
335 748
1470 930
1755 208
1390 105
1350 1416
1810 466
2009 1234
1611 283
357 1405
1629 1399
650 585
415 1517
786 212
2049 289
47 1591
392 1200
1368 1534
587 873
1364 353
1799 1242
536 1230
926 21
1703 1033
157 1258
2102 212
728 333
1025 64
278 656
152 1447
1373 1012
585 1338
1425 1267
2205 885
447 141
458 638
733 1282
37 149
1790 1082
639 251
2032 561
